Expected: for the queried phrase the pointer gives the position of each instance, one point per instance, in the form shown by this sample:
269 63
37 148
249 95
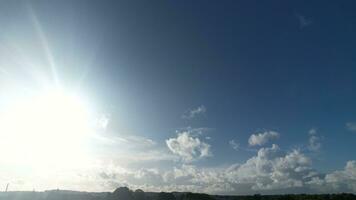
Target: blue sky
191 95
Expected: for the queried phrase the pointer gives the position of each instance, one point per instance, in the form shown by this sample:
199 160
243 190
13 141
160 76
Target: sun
45 128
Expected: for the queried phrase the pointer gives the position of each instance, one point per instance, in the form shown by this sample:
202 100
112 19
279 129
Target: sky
232 97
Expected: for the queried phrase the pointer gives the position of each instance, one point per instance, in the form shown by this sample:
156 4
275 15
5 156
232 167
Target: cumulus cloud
188 147
351 126
314 143
343 180
272 169
259 139
190 114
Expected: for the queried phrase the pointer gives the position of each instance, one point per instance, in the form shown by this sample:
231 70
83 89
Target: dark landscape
124 193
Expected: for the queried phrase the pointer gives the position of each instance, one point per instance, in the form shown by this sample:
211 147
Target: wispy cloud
234 144
195 131
102 121
190 114
314 143
303 20
129 149
259 139
351 126
127 140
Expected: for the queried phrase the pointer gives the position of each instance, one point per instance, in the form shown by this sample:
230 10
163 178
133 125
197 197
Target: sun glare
45 129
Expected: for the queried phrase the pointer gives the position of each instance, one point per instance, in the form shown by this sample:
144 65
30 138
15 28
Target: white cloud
130 139
351 126
124 140
188 147
195 131
190 114
337 181
270 171
234 144
343 180
102 122
314 143
262 138
130 149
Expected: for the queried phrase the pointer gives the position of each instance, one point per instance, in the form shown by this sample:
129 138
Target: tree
139 195
121 193
166 196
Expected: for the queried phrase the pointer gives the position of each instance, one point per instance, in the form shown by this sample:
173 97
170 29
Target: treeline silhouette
124 193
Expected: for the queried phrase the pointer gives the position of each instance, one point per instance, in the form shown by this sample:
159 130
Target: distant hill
124 193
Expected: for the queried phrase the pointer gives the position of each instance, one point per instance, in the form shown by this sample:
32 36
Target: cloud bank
271 170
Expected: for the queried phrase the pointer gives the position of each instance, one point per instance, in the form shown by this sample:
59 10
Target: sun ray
45 45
